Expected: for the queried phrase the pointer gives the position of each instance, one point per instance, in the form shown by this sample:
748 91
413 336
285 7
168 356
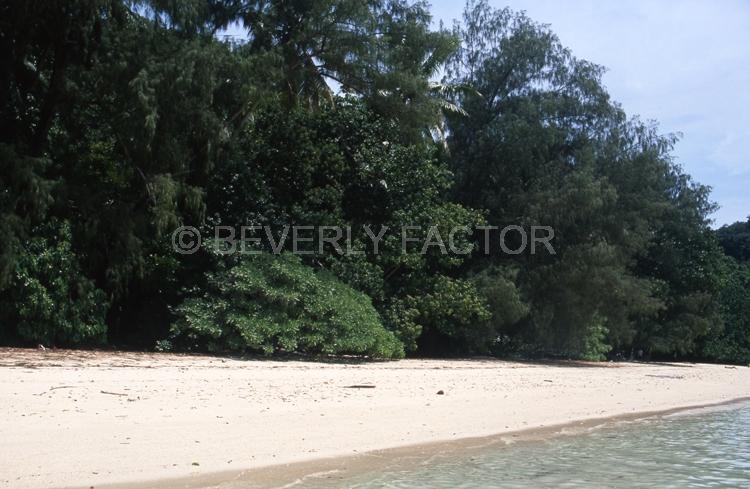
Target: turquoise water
706 450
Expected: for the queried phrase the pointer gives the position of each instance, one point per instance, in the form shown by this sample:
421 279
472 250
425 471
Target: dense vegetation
122 120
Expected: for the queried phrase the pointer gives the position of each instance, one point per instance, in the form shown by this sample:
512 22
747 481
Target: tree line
122 120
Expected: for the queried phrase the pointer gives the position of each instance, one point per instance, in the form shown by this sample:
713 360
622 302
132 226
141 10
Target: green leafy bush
451 312
273 303
49 301
732 342
504 300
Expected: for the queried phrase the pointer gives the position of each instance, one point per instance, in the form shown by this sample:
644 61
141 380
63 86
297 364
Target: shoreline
108 420
291 475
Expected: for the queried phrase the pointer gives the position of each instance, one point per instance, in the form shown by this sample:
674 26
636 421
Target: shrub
451 315
274 303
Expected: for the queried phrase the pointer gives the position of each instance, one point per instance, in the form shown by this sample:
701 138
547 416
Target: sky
685 64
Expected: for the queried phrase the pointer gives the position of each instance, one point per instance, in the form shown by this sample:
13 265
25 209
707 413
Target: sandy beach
83 419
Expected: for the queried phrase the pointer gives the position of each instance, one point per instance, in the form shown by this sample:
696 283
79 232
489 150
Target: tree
48 301
42 44
383 51
735 240
527 153
542 144
731 342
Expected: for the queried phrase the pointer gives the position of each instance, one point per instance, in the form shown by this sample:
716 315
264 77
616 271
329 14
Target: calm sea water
706 450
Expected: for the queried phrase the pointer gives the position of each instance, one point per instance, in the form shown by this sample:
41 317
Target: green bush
273 303
450 315
49 301
504 300
731 343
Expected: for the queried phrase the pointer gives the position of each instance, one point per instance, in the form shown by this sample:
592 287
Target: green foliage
49 301
454 310
504 300
594 345
451 316
543 144
346 167
266 303
529 152
735 240
688 269
732 342
24 199
120 121
383 51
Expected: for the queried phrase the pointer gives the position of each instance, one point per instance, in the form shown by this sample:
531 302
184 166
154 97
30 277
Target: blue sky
685 64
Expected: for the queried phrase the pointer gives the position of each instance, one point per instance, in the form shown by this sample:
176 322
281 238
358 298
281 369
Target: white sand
76 419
